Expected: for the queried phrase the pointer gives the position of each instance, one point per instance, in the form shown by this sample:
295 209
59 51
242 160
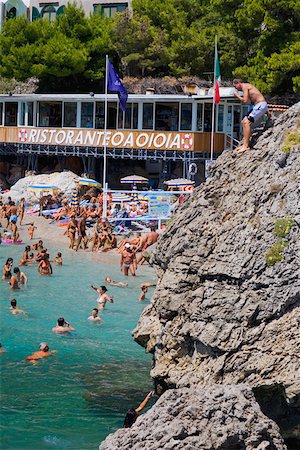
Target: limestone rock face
63 180
227 305
218 418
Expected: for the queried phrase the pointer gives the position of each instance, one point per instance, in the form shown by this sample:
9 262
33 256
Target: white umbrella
179 182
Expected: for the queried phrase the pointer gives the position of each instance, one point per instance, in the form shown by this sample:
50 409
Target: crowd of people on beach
131 250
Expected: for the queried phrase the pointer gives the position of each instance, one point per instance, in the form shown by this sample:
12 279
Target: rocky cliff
227 306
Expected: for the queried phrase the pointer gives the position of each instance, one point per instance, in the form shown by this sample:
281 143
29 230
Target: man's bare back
250 92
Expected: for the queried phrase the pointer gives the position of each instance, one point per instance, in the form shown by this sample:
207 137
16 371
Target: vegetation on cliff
258 39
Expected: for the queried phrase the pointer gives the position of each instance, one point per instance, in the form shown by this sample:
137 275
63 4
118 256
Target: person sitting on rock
132 413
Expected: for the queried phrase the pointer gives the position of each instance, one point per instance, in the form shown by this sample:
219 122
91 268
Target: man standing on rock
260 108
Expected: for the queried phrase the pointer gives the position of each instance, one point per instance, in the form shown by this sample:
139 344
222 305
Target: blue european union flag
114 84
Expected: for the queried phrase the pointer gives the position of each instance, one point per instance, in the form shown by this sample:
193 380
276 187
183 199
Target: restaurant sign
111 138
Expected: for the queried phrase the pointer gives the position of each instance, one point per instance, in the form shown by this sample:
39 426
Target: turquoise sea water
74 399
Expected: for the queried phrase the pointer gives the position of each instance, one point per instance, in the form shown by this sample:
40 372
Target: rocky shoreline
224 320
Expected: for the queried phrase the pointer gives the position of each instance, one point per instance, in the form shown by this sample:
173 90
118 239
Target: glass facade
100 116
148 109
200 117
129 119
112 109
50 114
1 113
70 114
11 114
166 116
220 126
207 117
186 117
87 114
30 114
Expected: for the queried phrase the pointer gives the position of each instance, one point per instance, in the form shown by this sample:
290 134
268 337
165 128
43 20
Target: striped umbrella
42 188
87 182
120 198
74 198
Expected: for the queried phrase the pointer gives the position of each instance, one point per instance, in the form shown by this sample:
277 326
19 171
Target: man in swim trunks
260 108
13 211
128 260
42 353
13 282
103 296
62 326
82 233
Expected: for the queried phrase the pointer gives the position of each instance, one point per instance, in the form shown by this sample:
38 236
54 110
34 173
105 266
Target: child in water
142 295
58 259
31 229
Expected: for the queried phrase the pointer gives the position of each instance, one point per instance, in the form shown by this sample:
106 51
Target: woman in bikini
6 272
44 266
71 232
25 257
103 297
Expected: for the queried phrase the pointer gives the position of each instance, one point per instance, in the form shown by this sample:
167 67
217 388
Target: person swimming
44 266
42 353
62 326
15 309
58 259
103 297
21 277
95 316
142 295
6 272
115 283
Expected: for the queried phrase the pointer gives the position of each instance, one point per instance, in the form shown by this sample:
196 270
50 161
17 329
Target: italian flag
217 78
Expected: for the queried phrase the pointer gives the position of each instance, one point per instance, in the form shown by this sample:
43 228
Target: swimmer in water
95 317
15 309
1 349
6 272
142 295
115 283
21 277
58 259
42 353
62 326
148 284
103 297
13 282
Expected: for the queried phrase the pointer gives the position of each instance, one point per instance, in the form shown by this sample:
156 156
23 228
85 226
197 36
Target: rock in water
216 418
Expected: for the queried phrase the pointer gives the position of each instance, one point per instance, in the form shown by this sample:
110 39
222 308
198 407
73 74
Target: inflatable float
10 241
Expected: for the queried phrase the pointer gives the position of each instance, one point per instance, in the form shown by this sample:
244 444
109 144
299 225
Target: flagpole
104 184
213 106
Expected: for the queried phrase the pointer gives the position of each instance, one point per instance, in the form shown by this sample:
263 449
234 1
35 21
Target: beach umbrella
40 188
120 198
87 182
74 198
177 182
134 179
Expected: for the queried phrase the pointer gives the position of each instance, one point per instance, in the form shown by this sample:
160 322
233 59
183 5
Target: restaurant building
160 134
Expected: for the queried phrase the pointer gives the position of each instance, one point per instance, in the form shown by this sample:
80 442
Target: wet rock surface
226 309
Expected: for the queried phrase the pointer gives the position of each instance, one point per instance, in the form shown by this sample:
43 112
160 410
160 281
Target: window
70 114
22 114
207 116
50 114
87 114
11 13
220 126
186 116
110 9
35 13
1 113
100 115
129 119
148 116
48 13
11 112
112 115
200 117
30 114
166 116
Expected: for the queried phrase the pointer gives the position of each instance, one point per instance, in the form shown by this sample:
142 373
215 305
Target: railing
230 142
